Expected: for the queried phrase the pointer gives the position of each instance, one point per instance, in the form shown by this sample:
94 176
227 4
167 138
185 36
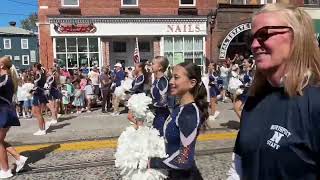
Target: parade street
83 146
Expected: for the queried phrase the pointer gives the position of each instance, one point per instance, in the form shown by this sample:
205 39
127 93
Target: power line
23 3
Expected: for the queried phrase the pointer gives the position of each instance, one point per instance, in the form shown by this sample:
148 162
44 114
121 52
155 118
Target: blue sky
16 10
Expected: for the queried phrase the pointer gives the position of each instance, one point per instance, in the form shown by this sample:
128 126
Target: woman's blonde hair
7 63
303 62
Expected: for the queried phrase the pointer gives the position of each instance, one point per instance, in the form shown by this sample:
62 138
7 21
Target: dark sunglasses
263 33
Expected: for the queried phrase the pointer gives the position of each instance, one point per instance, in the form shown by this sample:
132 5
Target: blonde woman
8 116
279 137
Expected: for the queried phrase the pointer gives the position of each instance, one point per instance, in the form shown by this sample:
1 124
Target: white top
88 89
224 71
26 88
94 76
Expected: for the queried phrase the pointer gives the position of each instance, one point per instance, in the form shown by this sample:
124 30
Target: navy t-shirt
279 137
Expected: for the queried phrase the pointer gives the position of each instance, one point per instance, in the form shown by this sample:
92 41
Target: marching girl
53 96
213 90
241 94
139 80
8 117
159 92
39 98
182 129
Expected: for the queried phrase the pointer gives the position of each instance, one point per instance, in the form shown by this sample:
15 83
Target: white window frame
62 4
4 43
26 43
265 1
23 59
188 5
130 5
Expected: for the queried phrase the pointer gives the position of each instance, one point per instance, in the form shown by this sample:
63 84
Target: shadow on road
231 124
37 155
58 126
61 119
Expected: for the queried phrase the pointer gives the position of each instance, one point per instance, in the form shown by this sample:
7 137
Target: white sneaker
53 121
20 163
47 125
115 114
59 115
40 132
78 112
216 114
5 174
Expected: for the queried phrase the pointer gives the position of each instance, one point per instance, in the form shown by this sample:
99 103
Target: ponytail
14 77
200 97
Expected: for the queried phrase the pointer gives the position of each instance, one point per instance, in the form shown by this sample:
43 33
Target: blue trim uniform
39 96
213 83
247 81
8 115
180 134
54 92
159 93
279 137
137 85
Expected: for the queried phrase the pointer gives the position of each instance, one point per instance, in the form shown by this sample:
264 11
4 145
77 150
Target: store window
119 46
129 2
312 2
70 2
73 53
187 2
268 1
184 49
144 46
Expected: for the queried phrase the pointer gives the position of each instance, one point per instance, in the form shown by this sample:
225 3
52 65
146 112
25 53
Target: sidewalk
93 125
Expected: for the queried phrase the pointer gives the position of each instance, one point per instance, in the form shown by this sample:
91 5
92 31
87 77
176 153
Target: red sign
75 28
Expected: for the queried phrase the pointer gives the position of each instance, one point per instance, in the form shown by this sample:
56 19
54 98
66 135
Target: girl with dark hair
39 98
53 96
140 79
8 116
182 129
159 92
213 90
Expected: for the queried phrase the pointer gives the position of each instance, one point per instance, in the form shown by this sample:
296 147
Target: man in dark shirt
105 81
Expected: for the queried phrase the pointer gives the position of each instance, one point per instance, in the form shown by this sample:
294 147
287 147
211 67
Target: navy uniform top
39 83
119 76
213 80
6 89
247 79
180 134
51 82
138 84
279 137
159 92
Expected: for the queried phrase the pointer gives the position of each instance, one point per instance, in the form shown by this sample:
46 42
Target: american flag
136 54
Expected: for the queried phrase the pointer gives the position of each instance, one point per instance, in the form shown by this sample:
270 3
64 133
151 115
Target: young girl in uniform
8 117
39 98
159 92
182 129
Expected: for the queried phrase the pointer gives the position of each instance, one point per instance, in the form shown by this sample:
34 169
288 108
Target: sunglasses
263 33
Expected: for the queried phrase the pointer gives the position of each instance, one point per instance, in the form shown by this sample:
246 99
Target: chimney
12 23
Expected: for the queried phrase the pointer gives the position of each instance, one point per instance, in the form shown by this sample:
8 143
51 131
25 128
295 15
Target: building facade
100 32
20 45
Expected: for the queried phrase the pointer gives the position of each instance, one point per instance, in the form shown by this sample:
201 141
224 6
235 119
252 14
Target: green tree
30 22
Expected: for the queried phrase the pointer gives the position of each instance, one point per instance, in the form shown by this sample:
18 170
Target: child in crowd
19 107
89 94
65 99
78 98
27 103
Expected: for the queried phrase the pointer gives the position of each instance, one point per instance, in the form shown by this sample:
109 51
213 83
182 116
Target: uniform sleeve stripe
176 121
4 82
188 140
169 159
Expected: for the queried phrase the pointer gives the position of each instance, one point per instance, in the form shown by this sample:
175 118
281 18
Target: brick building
101 32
